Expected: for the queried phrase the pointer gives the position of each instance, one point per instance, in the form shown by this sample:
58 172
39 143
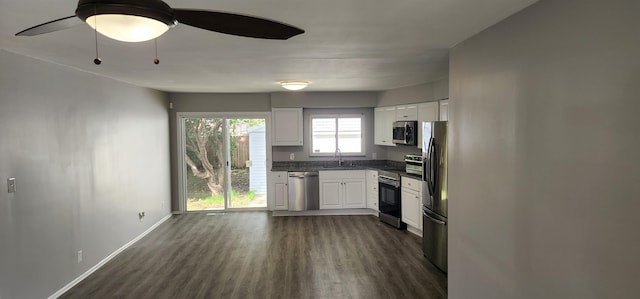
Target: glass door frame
181 165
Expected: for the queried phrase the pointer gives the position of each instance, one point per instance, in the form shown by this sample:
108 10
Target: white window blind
332 132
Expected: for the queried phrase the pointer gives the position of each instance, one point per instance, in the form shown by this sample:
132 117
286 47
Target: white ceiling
349 45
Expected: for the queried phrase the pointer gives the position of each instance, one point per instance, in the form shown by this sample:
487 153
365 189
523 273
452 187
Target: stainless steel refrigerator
434 193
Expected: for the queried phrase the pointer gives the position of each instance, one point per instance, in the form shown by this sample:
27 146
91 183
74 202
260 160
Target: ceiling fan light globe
127 20
127 28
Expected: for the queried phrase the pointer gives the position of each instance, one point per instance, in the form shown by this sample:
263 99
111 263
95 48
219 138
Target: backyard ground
200 198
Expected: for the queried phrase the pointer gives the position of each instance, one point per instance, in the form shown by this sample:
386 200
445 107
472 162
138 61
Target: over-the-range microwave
405 132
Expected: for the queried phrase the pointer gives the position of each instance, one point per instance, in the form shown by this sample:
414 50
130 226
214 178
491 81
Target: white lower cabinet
372 190
411 201
342 189
278 191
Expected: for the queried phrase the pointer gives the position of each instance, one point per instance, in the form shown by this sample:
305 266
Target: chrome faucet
338 153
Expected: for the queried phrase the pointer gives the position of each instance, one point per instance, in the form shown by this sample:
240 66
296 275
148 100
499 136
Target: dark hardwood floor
255 255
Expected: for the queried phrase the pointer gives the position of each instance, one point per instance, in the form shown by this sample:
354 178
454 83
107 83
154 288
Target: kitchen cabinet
383 125
287 126
407 112
444 110
427 112
278 191
411 200
342 189
372 190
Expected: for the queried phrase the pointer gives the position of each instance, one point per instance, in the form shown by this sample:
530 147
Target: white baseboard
326 212
107 259
414 230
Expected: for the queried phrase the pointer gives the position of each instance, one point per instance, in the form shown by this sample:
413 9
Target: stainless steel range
389 199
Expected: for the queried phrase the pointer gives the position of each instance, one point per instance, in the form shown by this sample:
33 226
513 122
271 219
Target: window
332 132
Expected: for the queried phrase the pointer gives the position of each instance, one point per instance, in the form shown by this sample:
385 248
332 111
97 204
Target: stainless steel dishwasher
304 191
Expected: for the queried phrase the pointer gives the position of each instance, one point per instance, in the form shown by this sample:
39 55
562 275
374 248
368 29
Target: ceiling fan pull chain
156 61
97 61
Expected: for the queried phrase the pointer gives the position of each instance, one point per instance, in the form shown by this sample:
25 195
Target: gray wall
544 193
301 153
427 92
327 103
358 99
87 153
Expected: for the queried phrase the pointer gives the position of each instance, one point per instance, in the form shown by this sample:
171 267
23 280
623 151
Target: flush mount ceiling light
294 85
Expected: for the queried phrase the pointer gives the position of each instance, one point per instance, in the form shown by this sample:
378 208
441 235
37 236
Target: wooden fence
240 154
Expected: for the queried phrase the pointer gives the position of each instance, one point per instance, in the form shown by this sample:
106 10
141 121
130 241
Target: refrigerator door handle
434 165
433 219
425 163
426 168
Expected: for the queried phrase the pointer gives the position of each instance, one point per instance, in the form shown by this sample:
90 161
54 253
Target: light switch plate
11 185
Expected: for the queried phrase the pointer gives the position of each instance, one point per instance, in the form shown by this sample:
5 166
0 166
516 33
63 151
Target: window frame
361 116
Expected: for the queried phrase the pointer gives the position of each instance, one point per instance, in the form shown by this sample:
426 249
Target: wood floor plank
255 255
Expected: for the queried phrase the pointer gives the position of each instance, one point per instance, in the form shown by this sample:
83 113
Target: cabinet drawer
412 184
342 174
279 176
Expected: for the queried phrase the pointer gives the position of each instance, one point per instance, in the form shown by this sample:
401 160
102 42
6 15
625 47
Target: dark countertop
308 166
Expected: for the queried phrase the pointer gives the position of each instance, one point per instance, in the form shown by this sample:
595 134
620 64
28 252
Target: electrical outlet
79 256
11 185
292 156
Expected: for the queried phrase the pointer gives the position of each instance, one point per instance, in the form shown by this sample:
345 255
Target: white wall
87 153
545 163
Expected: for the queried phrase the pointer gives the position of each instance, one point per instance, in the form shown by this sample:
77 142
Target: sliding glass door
248 152
224 164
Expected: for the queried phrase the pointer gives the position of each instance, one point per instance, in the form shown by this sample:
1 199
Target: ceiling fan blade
236 24
51 26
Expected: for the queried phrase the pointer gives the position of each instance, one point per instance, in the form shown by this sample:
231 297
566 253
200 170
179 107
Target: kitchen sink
333 165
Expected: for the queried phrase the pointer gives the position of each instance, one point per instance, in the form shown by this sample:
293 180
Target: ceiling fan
142 20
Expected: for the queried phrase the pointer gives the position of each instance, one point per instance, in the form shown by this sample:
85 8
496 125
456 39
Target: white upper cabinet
426 112
444 110
287 126
407 112
383 131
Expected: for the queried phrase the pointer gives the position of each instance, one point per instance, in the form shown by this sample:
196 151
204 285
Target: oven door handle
388 181
386 178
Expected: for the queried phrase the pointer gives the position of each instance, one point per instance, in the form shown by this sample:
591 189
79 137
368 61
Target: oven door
399 132
389 199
